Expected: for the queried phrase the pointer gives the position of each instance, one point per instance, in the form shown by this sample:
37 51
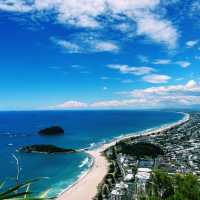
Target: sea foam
84 162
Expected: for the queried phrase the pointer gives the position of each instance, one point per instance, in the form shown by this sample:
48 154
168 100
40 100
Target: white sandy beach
86 187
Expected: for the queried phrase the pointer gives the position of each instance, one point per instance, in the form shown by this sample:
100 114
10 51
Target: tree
173 187
187 187
162 184
140 149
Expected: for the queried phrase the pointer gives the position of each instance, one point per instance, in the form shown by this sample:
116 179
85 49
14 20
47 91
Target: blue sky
97 54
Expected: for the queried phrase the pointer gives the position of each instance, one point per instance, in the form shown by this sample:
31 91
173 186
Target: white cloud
162 61
190 86
161 31
124 27
117 103
149 102
139 71
130 5
80 13
68 46
125 69
173 95
156 78
102 104
191 43
86 46
153 97
70 105
15 6
183 64
86 14
101 46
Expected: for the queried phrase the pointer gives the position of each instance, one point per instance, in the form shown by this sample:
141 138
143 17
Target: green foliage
173 187
109 180
1 185
44 148
19 191
162 184
140 149
187 187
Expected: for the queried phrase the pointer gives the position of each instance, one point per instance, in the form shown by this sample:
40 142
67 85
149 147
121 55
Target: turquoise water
82 129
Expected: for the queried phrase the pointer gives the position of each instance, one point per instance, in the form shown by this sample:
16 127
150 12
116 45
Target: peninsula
116 173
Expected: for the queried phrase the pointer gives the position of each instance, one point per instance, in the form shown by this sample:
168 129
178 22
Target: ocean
83 129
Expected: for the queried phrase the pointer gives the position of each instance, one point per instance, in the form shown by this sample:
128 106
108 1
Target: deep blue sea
82 129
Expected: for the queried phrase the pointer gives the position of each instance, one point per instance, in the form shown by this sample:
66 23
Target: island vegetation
43 148
52 131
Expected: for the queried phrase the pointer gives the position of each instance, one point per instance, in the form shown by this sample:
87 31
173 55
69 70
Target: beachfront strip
132 160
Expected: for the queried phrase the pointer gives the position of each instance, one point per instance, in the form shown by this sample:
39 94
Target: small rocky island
52 131
43 148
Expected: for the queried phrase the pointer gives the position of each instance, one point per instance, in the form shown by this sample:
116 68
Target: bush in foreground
173 187
19 192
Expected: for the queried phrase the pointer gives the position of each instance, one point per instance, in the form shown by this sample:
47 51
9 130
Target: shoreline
86 185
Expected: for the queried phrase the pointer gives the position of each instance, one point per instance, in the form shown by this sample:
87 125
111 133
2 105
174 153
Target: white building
141 178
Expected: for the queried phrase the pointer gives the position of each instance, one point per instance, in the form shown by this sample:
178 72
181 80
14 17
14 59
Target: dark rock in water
43 148
54 130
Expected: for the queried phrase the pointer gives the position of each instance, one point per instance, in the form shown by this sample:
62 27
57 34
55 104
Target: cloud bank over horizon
153 97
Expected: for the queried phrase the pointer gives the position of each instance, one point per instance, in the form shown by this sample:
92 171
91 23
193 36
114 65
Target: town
175 150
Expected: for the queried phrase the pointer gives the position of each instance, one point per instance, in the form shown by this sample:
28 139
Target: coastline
86 186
